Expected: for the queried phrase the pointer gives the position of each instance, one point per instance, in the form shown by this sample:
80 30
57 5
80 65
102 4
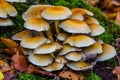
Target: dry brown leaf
4 67
70 75
19 60
34 69
116 71
9 43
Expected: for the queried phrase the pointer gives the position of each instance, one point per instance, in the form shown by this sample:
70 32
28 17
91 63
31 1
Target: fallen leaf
116 71
34 69
19 60
70 75
4 67
9 43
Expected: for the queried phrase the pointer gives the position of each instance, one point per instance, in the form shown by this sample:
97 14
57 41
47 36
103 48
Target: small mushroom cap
32 42
16 0
53 67
56 13
37 24
3 13
90 20
96 29
62 36
99 40
80 65
27 51
60 59
96 48
75 56
77 16
34 11
11 11
5 22
40 60
67 48
82 11
79 41
108 52
22 34
47 48
74 26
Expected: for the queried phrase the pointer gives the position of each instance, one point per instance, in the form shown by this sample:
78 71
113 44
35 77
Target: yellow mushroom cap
75 56
47 48
96 29
67 48
77 16
62 36
40 60
53 67
10 10
75 26
37 24
34 11
80 65
108 52
32 42
3 13
96 48
79 41
90 20
82 11
56 13
22 34
5 22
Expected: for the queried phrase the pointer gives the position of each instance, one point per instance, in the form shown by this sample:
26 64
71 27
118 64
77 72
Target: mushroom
75 56
79 26
80 65
34 11
67 48
108 52
96 48
32 42
5 22
79 41
24 34
96 29
53 67
82 11
3 13
62 36
37 24
40 60
27 51
56 13
47 48
90 20
77 16
9 9
60 59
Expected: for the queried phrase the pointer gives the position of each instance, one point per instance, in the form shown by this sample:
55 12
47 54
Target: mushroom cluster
56 36
5 10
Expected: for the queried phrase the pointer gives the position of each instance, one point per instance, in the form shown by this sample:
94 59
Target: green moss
92 76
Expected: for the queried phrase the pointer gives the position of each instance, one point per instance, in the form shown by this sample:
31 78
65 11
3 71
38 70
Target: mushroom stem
56 26
49 35
52 54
